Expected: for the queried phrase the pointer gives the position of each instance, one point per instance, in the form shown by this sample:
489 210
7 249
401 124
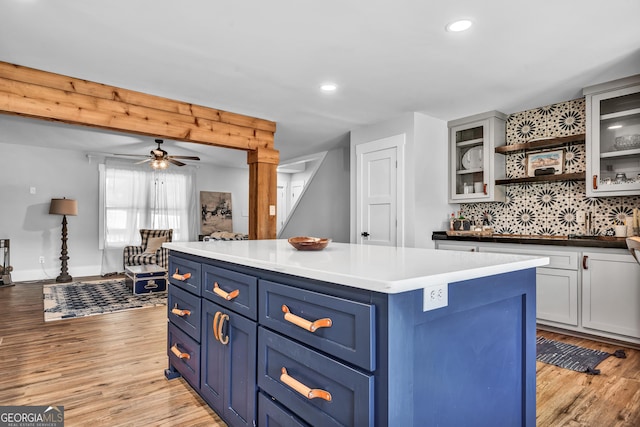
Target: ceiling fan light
159 164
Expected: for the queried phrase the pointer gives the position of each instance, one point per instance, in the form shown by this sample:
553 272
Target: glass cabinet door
472 158
613 143
470 161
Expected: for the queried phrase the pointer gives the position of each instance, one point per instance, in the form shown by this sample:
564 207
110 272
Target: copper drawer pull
215 327
309 393
181 277
226 295
304 323
178 312
179 354
223 340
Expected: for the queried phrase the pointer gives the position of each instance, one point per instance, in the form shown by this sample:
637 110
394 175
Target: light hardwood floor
108 371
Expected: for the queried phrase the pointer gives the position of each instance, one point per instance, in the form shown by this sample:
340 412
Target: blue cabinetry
228 364
306 352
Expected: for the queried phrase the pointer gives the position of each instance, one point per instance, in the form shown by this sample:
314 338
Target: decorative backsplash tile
549 208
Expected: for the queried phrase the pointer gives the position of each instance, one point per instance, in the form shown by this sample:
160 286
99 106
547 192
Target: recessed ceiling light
328 87
460 25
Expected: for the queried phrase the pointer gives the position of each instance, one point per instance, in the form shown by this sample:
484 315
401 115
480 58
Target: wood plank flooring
105 370
568 398
108 370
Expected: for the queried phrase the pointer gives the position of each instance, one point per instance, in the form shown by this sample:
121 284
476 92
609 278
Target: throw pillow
154 243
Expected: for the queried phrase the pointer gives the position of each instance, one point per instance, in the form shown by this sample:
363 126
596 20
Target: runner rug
79 299
572 357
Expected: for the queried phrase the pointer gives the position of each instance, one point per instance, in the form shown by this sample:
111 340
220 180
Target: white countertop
377 268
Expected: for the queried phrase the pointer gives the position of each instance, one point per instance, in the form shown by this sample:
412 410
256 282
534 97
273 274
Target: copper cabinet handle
304 323
309 393
223 340
181 277
595 182
178 312
584 262
215 327
175 350
226 295
484 189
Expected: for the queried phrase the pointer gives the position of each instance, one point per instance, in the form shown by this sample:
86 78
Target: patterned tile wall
550 208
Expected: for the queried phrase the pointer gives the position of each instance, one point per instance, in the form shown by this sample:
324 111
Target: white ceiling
267 59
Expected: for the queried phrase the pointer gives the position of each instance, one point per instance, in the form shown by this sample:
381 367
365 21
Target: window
134 197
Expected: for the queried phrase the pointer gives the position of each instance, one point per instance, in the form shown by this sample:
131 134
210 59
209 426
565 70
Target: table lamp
64 207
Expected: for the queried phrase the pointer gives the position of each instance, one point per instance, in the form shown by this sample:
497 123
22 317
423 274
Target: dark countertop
582 241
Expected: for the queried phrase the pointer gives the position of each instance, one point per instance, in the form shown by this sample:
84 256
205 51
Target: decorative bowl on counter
304 243
627 142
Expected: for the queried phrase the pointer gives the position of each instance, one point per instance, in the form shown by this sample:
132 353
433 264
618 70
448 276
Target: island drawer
231 289
288 371
350 335
185 274
272 414
184 355
184 311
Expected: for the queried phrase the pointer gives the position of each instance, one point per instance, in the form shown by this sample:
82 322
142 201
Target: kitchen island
353 334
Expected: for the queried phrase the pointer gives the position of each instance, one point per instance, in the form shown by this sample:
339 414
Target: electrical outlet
580 217
435 296
41 260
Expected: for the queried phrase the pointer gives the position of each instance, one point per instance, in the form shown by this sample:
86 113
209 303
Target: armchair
150 250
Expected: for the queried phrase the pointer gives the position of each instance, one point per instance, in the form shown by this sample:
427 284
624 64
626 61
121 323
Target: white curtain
136 197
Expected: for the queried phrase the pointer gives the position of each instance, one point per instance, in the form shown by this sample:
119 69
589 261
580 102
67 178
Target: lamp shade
63 207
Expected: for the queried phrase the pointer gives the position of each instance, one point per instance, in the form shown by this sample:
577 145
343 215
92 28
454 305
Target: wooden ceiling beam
39 94
55 97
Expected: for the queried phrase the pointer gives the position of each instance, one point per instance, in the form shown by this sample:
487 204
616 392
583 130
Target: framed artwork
545 163
215 212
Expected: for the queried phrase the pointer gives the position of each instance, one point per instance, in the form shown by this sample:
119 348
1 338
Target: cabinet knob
309 393
364 234
304 323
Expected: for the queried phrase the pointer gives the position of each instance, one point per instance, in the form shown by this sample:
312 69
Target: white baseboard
51 274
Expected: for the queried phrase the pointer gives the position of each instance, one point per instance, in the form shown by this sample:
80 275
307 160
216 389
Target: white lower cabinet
557 296
595 291
611 293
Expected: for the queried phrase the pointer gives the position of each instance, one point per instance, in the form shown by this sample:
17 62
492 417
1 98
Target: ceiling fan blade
175 162
131 155
143 161
184 157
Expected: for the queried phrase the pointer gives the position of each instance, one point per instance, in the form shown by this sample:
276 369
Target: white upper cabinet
613 138
473 163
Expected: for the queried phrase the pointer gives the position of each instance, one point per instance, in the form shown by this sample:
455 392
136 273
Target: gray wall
426 207
323 209
54 173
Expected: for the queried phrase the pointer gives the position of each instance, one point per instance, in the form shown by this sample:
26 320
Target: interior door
379 192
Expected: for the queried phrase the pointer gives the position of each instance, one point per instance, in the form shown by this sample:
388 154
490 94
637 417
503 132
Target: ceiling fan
160 159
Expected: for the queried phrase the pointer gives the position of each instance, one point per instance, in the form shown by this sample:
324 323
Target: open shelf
578 176
541 144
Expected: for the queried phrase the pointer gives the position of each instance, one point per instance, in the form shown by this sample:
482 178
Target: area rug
79 299
572 357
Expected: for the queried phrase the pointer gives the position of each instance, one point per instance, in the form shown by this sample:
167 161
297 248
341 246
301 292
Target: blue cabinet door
228 371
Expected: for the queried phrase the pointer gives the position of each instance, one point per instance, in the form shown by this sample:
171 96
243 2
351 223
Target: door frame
395 141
